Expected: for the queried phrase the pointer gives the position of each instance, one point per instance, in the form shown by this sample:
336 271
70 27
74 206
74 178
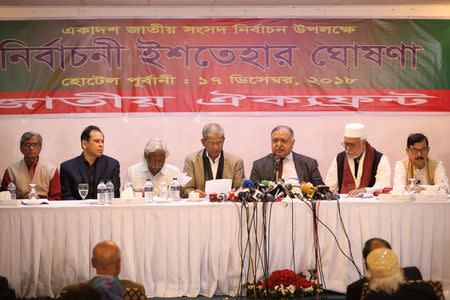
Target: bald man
106 260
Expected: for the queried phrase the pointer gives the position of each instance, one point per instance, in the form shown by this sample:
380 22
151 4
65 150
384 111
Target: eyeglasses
211 144
29 145
348 145
422 151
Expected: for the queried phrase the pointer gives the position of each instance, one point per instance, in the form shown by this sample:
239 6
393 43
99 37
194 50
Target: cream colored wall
247 135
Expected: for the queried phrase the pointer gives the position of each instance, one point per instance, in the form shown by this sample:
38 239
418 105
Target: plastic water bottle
101 193
12 190
163 193
175 189
109 192
148 191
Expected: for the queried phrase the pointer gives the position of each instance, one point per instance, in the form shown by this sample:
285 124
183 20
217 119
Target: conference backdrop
234 65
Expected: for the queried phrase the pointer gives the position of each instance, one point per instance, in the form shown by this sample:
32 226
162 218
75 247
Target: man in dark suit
284 163
90 167
354 289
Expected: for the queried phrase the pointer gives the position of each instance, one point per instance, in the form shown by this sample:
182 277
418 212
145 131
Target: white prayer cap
355 130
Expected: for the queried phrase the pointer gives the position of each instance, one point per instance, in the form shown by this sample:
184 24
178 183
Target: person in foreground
360 168
31 169
354 289
427 171
90 167
154 167
212 162
387 280
284 163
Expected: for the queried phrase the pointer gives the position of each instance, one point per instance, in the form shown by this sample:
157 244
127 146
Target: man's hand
356 192
201 193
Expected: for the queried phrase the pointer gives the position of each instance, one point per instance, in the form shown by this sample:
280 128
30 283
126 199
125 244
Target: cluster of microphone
269 191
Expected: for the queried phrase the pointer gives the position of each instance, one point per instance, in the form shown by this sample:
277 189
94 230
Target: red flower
285 278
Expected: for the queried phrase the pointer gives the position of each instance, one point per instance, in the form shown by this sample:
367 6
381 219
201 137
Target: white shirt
289 173
382 178
137 176
214 165
439 175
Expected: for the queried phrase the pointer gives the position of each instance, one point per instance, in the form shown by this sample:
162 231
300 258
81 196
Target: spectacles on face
348 145
31 145
211 144
422 151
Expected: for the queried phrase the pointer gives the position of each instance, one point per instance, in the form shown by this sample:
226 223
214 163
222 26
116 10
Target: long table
190 249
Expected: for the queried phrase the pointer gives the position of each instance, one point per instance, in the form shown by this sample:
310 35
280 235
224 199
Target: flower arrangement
284 284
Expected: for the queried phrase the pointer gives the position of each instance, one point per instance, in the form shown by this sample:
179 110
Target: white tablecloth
190 249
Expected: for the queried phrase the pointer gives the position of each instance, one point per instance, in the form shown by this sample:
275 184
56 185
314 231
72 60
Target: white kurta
440 176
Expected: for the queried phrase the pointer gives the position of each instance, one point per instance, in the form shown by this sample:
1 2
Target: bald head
106 258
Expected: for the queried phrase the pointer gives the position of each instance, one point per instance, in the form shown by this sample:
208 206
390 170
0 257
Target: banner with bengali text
223 65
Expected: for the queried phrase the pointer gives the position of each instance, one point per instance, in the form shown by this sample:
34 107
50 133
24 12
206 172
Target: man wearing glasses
359 168
418 165
31 170
212 162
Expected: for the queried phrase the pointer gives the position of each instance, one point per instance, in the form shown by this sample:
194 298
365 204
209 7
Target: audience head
354 139
92 141
106 258
417 149
282 138
385 273
213 137
155 154
373 244
31 145
81 291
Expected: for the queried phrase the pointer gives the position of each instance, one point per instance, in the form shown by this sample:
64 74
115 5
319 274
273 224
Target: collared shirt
90 171
289 171
421 174
214 165
382 177
138 174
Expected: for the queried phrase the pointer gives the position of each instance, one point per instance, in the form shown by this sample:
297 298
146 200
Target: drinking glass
83 189
412 186
33 195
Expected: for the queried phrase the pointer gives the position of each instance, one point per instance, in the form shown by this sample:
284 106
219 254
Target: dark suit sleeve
116 179
189 168
66 183
412 273
316 178
255 173
354 290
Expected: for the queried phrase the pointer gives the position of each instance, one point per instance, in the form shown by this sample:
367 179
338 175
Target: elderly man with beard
360 168
426 171
283 163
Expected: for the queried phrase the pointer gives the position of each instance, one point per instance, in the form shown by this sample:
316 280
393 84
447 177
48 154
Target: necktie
280 169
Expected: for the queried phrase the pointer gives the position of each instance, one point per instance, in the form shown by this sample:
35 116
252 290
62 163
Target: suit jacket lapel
82 168
226 167
298 167
100 170
201 174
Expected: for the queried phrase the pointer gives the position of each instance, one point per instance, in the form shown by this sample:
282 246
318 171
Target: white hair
153 145
212 129
389 284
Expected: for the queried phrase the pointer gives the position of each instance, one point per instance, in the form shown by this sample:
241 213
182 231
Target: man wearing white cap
360 168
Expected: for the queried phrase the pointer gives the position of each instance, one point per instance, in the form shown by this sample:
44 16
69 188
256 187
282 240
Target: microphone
277 163
297 192
311 191
248 183
328 195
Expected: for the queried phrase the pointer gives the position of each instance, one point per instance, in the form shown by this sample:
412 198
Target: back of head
106 258
80 291
374 243
386 275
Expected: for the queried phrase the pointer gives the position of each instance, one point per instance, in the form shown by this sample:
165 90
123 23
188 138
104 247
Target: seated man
212 162
33 170
418 165
106 261
360 168
284 163
354 289
90 167
154 167
387 280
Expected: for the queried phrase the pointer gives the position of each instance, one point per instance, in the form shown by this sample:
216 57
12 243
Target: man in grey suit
284 163
212 162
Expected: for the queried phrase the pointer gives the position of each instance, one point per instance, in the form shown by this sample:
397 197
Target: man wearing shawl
427 171
360 168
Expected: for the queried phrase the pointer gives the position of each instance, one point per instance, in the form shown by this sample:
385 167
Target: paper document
218 186
183 179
